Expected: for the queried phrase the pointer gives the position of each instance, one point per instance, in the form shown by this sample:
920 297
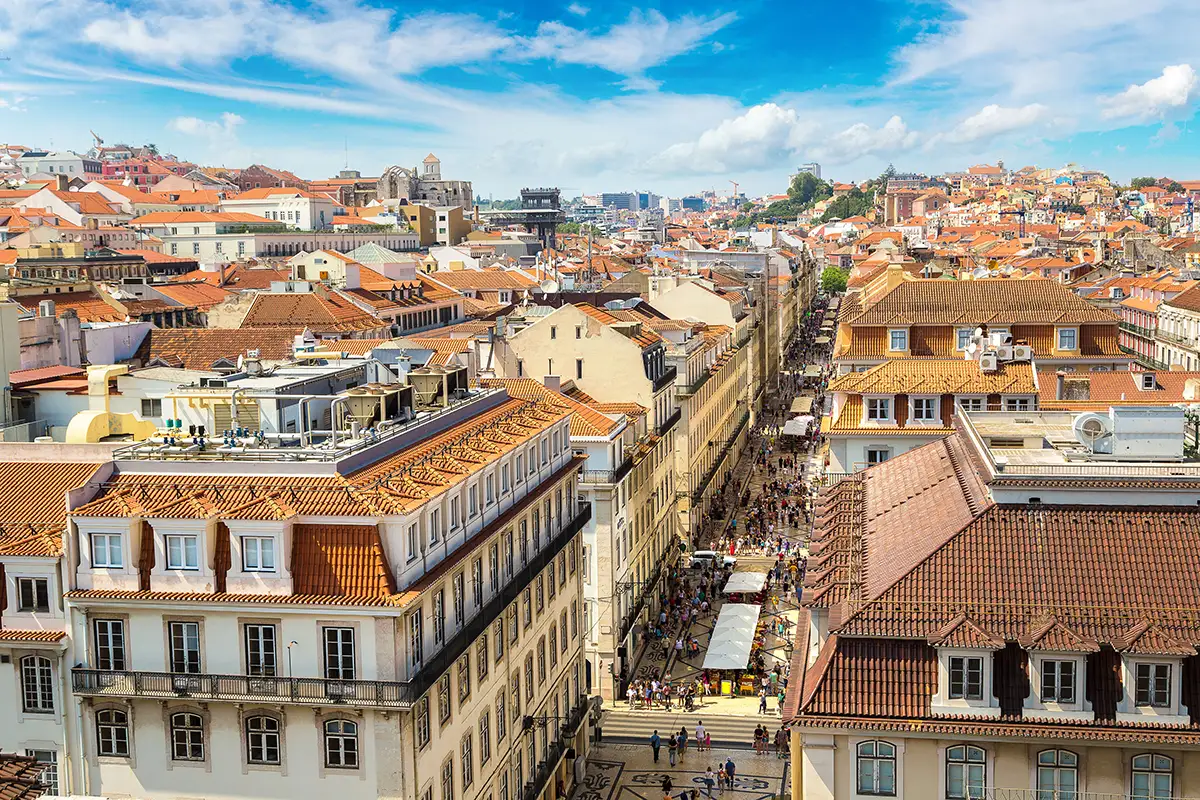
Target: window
541 658
106 550
966 678
439 616
520 465
415 641
562 630
527 608
468 761
422 723
898 340
477 582
260 650
501 719
878 455
464 680
578 332
540 592
1154 685
520 368
151 407
1016 404
341 744
498 636
1057 774
110 644
494 567
515 688
879 408
443 690
435 525
49 761
262 740
195 248
455 514
574 619
529 678
876 768
578 368
513 633
460 601
553 332
1058 681
504 486
33 595
971 403
185 647
339 654
553 645
112 732
481 657
508 554
1152 777
258 554
490 490
187 737
1068 339
924 409
963 338
966 772
37 685
485 739
448 779
183 552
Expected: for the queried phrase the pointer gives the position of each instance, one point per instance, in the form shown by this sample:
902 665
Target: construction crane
1020 214
99 141
735 192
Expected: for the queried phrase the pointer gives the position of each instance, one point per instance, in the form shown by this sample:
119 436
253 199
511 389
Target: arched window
37 685
1153 777
966 772
876 768
341 744
262 740
187 737
1058 774
112 732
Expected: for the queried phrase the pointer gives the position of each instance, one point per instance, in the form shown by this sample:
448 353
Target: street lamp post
289 651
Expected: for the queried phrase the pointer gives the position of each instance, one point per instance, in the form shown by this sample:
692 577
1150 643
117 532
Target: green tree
806 189
1141 183
746 207
576 227
833 280
1175 186
852 204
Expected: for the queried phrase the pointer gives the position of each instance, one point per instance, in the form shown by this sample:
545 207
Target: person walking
721 778
666 787
762 701
682 743
709 780
700 734
672 749
730 770
655 743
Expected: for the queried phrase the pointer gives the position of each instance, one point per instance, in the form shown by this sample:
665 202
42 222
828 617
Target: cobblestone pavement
629 772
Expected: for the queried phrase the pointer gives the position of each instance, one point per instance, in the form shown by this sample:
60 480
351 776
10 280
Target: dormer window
106 551
963 338
1068 338
183 552
1058 681
966 678
898 339
1153 687
1149 382
924 409
879 409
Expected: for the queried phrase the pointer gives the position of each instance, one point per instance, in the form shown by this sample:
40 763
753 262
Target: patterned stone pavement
628 772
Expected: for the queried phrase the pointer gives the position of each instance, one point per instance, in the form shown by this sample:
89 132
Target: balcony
319 691
669 423
555 751
609 476
1174 338
695 385
702 485
665 380
1137 330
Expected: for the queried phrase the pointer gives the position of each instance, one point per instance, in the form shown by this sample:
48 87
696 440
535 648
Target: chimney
895 275
1059 379
60 182
553 383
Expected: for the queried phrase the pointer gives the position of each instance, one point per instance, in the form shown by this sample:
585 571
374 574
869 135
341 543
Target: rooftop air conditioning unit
1022 352
989 362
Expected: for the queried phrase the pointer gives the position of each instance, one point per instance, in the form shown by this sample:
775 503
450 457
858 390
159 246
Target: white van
704 558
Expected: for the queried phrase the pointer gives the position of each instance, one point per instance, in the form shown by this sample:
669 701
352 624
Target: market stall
802 405
732 638
742 582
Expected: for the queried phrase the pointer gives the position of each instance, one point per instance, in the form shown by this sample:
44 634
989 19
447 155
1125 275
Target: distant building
812 168
626 201
692 203
64 162
426 186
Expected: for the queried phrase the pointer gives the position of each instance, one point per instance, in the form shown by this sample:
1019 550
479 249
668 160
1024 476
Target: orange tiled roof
321 314
199 348
199 295
340 560
32 519
585 420
941 376
182 217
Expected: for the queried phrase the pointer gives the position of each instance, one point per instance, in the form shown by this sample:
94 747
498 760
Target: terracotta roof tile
200 348
14 635
332 314
942 376
340 560
988 301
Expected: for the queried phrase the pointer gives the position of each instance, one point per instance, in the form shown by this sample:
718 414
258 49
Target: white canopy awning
802 405
822 340
812 370
731 640
746 582
798 426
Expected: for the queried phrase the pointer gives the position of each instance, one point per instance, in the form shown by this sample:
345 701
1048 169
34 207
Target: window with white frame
37 685
1152 777
460 599
443 692
963 338
971 403
875 768
879 409
898 339
490 490
435 525
48 760
467 760
187 737
258 554
422 722
966 678
1058 681
110 644
439 616
263 740
477 582
112 733
504 483
501 716
494 566
1016 404
485 738
448 779
33 595
464 680
106 550
455 518
261 652
184 638
1068 339
339 654
1153 685
924 409
183 552
414 534
341 744
1057 774
878 455
966 772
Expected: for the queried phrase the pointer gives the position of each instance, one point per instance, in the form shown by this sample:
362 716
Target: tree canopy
833 280
1141 183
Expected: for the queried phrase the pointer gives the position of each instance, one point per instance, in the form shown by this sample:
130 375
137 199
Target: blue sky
670 96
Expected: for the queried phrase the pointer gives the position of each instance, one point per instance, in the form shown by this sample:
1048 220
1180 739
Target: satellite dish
971 348
549 287
978 333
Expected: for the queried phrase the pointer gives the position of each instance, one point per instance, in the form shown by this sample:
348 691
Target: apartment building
34 666
898 316
616 365
293 206
982 621
391 609
904 404
1177 335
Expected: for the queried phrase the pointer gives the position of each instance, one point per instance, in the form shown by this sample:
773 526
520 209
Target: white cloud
763 136
224 127
993 120
861 140
578 10
1173 90
221 31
